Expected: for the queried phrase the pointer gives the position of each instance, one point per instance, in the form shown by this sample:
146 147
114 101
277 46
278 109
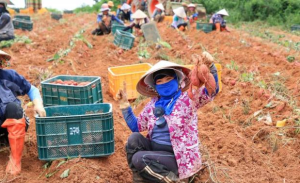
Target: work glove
39 107
207 59
122 97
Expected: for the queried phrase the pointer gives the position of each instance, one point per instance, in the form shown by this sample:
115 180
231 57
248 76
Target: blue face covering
167 89
2 9
169 93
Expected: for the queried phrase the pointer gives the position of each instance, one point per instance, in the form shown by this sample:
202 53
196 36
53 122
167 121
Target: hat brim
5 55
179 14
104 9
145 85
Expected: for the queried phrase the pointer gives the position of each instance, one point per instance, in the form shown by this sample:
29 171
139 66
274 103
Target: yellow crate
131 74
11 11
29 10
168 19
219 70
42 11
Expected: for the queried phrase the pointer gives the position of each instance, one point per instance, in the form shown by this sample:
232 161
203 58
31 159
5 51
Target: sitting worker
140 18
6 25
125 14
170 152
104 21
158 14
13 121
191 13
179 19
119 9
144 5
110 6
219 24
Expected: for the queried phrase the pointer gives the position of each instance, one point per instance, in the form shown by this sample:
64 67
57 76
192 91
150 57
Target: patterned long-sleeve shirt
216 18
183 128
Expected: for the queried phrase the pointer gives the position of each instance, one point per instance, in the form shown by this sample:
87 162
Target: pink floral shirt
183 129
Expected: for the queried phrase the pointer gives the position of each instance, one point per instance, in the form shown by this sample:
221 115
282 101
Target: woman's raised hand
122 97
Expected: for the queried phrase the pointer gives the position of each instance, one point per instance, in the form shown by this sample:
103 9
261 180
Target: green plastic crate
116 26
56 16
295 28
77 130
23 24
55 94
205 27
68 12
150 32
23 17
124 40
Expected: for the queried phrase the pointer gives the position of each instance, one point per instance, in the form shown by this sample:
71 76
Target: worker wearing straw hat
179 19
6 25
170 153
191 13
110 4
104 21
140 18
13 121
218 20
125 14
158 14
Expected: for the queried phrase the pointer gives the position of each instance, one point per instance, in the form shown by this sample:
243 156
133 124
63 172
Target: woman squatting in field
13 121
170 153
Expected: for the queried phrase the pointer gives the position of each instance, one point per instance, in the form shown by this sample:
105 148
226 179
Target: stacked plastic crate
77 122
23 22
123 39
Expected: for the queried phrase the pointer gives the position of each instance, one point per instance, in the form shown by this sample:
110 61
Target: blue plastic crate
124 40
55 94
77 130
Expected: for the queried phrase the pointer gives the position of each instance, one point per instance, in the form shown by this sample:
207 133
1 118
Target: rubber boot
181 28
16 137
218 27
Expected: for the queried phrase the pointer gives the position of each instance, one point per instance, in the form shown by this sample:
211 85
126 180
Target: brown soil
235 146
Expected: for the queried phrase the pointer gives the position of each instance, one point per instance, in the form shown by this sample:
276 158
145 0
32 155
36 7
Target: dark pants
103 29
183 24
12 111
153 162
215 28
5 37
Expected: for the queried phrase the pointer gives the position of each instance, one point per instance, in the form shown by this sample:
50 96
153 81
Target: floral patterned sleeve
144 117
202 97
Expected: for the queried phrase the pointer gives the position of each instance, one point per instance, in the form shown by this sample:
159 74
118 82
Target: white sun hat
160 6
223 12
146 84
192 6
5 55
104 7
139 14
180 12
125 6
